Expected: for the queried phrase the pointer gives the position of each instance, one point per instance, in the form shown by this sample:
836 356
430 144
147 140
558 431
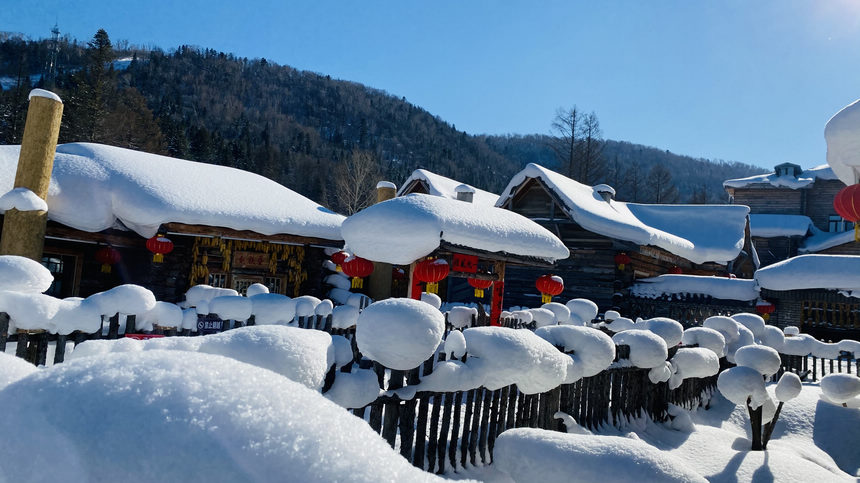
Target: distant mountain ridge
299 128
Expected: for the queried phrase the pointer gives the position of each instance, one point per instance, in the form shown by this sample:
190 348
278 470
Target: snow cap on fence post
399 333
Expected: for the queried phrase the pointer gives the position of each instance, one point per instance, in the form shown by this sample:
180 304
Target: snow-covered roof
439 185
717 287
805 179
838 272
93 186
822 240
699 233
842 133
768 226
404 229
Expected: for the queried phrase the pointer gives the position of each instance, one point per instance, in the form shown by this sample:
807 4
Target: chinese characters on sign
250 260
464 263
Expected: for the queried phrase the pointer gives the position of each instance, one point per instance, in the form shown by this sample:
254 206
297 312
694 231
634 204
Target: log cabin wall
772 250
819 202
764 198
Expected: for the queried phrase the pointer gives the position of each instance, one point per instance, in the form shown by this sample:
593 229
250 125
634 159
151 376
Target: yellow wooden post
379 283
24 231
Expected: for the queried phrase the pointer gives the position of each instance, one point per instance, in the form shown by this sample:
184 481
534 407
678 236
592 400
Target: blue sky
736 80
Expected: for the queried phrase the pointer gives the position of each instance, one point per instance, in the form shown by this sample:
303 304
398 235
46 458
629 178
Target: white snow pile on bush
591 350
543 317
189 417
841 388
461 316
583 309
704 337
272 308
498 357
204 293
562 313
692 362
671 331
647 349
399 333
530 455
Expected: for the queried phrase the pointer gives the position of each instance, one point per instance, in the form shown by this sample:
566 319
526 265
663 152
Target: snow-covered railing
688 309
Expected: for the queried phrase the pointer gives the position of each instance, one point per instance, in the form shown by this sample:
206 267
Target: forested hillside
327 139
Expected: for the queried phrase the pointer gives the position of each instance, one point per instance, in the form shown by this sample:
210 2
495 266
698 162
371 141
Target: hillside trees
578 144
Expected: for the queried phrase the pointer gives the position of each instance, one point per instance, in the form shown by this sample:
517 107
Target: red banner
464 263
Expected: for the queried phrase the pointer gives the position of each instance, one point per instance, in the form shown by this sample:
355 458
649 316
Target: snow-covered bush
399 333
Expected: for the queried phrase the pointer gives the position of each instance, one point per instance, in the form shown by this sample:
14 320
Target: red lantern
676 270
764 308
549 286
357 268
431 271
160 246
847 204
338 258
622 260
107 256
480 285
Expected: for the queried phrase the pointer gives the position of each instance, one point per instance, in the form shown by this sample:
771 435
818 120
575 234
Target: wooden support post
379 283
24 231
498 293
414 285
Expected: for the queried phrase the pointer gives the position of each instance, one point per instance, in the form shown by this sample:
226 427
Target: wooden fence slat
467 428
455 430
434 432
476 420
485 420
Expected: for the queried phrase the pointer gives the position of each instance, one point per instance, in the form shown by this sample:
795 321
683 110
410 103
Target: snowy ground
814 441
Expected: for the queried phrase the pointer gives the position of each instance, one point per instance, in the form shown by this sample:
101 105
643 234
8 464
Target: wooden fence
689 310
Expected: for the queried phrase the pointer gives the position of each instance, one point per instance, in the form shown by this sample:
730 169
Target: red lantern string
549 286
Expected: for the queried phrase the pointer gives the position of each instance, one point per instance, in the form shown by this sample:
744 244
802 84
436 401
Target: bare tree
355 182
661 187
634 182
565 128
591 163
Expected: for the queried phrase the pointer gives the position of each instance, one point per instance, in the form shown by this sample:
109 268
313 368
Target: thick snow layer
840 388
773 337
763 359
543 317
769 226
669 330
205 293
499 357
432 299
837 272
707 338
399 333
798 345
324 308
842 133
726 326
438 185
272 308
12 369
717 287
231 307
302 355
22 199
455 344
93 186
788 388
44 93
255 289
753 322
620 324
822 240
585 310
164 314
344 316
562 312
592 351
806 178
355 389
20 274
306 305
647 349
537 455
342 350
460 316
404 229
124 299
171 416
339 280
699 233
693 362
741 383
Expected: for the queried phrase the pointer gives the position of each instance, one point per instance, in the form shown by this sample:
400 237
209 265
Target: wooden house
427 182
791 212
229 228
597 229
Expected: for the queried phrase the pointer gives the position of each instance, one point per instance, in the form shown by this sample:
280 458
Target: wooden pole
379 283
24 231
497 294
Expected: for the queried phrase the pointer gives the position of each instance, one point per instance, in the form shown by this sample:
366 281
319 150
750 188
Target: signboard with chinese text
464 263
250 260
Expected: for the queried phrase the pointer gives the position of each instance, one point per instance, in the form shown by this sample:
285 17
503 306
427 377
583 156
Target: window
838 224
274 284
218 280
55 266
63 268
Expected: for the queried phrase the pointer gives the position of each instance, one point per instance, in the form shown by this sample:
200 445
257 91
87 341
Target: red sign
465 263
143 336
250 260
496 304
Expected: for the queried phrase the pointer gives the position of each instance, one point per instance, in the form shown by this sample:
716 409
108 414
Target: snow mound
543 317
704 337
647 349
256 289
124 299
399 333
669 330
20 274
272 308
455 344
840 388
170 416
763 359
592 351
438 185
164 314
460 316
232 307
753 322
693 362
561 311
355 389
717 287
530 455
837 272
584 309
22 199
205 293
13 368
738 384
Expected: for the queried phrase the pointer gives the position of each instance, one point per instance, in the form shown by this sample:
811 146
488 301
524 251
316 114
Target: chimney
605 191
385 190
465 193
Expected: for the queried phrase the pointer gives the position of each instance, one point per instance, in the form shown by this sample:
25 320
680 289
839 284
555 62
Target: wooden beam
494 256
203 230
